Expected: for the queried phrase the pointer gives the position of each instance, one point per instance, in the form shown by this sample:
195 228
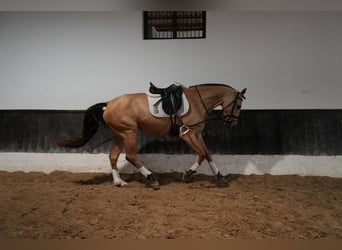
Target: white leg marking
213 167
117 180
144 171
195 166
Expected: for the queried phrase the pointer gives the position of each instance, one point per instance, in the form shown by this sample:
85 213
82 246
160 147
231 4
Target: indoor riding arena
281 163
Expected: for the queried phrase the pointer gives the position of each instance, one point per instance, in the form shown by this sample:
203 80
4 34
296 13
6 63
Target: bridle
227 119
230 118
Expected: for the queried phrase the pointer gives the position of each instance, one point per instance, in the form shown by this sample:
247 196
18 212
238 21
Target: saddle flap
172 103
156 106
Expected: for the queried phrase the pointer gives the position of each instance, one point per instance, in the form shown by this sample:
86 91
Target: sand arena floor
64 205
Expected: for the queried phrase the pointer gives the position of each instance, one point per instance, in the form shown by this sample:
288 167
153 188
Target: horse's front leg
131 156
196 142
221 180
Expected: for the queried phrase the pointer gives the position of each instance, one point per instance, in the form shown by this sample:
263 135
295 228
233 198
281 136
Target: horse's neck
213 97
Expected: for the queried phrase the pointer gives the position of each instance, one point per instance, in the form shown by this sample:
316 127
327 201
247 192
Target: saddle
171 97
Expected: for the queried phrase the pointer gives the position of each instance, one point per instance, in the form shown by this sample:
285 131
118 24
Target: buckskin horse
128 113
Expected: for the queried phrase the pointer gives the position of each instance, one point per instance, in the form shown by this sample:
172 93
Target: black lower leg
152 181
221 180
188 175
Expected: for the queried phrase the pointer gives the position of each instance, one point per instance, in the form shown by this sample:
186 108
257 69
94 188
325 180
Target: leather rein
229 118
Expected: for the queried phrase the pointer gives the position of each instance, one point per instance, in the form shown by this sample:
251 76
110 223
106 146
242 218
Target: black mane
211 84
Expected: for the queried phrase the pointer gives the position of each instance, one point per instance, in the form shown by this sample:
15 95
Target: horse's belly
159 126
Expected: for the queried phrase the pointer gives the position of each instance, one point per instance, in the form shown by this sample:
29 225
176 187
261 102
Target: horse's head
231 108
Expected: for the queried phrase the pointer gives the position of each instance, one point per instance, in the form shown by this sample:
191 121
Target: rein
199 94
225 118
234 107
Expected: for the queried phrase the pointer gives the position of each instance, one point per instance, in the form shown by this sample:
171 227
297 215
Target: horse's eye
238 106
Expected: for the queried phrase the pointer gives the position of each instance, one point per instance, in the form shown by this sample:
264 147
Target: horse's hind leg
113 157
131 156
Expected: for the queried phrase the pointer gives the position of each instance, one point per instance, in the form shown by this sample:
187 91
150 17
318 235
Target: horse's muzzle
231 122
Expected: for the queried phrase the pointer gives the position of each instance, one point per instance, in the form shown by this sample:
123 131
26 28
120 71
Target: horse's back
131 112
126 100
126 106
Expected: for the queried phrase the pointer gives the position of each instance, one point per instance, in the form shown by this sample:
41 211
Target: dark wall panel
306 132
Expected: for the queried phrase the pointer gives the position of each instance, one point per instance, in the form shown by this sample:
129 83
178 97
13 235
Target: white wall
70 60
161 163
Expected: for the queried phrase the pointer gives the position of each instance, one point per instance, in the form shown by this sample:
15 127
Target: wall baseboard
163 163
259 132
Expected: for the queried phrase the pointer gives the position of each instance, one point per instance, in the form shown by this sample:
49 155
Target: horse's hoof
120 183
221 181
123 183
188 176
152 182
154 185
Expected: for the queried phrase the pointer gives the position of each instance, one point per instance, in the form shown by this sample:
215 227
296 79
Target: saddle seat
163 91
171 97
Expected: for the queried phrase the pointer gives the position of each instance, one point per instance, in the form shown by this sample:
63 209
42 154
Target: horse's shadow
163 178
96 180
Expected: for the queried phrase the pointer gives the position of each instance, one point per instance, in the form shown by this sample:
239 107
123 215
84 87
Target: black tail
92 118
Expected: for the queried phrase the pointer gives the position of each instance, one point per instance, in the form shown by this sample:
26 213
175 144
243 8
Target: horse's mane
211 84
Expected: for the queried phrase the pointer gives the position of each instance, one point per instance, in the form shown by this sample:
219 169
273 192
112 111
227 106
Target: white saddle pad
158 111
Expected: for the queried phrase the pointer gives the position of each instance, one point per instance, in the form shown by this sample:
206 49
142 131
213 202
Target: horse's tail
93 116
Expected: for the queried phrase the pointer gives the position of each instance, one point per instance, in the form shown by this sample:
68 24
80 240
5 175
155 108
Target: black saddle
163 91
171 97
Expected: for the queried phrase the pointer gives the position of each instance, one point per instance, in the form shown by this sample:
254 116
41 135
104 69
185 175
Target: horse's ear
243 93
